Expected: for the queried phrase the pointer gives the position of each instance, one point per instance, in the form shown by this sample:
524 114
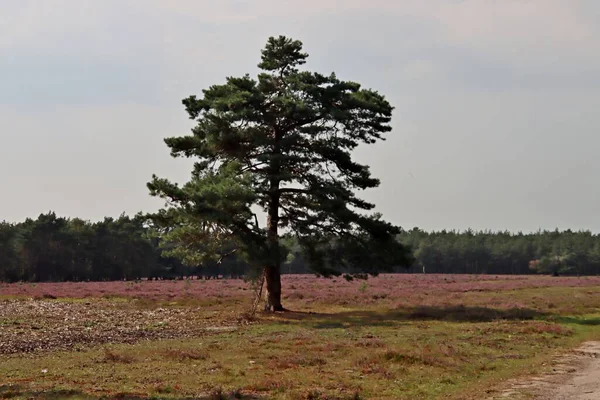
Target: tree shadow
407 315
17 391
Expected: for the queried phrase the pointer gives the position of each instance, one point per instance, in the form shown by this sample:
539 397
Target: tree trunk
272 271
273 281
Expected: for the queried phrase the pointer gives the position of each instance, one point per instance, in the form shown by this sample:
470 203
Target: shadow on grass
16 391
394 317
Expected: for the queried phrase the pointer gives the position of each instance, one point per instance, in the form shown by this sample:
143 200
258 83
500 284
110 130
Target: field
390 337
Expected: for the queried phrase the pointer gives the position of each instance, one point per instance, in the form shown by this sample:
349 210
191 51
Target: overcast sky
497 103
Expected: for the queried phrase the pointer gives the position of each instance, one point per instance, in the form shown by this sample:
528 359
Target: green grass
459 349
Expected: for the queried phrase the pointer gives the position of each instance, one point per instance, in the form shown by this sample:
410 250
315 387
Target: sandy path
575 376
584 383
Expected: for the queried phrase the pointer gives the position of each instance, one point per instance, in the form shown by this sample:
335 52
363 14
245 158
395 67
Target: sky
496 120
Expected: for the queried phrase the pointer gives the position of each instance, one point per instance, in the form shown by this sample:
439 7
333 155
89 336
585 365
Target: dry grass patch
185 354
297 360
543 328
268 385
371 343
371 365
111 356
325 394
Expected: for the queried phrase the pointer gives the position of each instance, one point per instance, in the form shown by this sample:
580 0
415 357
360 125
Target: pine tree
280 143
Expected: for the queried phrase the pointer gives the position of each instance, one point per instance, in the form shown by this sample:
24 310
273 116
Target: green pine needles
282 144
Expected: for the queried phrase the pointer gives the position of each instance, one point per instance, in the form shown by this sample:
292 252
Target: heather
401 336
388 288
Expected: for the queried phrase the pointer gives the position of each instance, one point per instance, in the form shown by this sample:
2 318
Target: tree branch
223 256
293 190
252 167
256 221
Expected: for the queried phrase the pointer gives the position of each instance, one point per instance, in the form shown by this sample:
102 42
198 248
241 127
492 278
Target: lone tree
282 144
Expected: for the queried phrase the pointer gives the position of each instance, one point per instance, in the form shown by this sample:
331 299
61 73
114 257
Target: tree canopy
280 143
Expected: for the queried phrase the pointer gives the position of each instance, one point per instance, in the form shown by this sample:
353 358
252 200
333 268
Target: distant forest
51 248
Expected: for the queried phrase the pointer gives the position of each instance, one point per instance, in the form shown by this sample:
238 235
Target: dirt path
575 376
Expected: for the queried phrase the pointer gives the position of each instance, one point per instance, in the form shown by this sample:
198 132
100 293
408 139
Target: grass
457 345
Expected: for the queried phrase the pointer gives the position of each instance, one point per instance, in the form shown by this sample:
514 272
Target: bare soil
575 376
28 326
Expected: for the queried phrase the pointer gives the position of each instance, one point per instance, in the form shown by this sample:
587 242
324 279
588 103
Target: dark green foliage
282 143
51 248
60 249
10 262
546 252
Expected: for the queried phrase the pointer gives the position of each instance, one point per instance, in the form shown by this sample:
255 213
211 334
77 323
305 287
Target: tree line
53 248
486 252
